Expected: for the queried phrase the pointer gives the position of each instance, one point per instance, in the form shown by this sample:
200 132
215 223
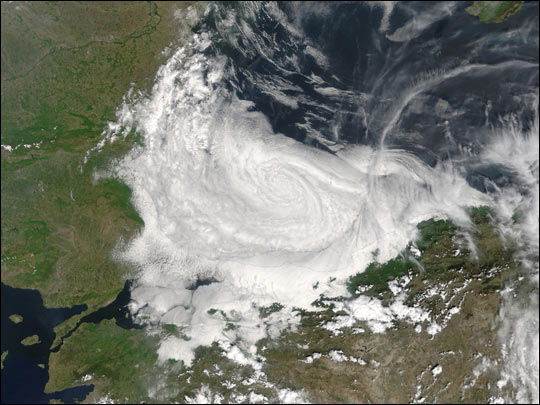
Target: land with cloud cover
295 201
422 335
63 75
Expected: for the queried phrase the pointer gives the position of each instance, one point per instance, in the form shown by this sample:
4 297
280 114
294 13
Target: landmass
65 69
30 340
111 354
454 295
494 11
60 87
15 318
4 355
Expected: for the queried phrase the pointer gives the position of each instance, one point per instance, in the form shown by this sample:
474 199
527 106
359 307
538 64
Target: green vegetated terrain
395 366
114 356
65 69
494 11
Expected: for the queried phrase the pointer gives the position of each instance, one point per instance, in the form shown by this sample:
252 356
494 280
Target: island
30 340
4 355
16 318
494 11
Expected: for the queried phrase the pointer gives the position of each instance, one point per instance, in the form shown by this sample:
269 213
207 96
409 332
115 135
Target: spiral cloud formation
238 216
265 217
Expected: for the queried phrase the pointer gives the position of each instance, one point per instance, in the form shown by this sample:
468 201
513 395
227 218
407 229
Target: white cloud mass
223 196
265 217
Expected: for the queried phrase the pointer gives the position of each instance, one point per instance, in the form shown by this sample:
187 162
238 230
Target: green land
65 69
494 11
